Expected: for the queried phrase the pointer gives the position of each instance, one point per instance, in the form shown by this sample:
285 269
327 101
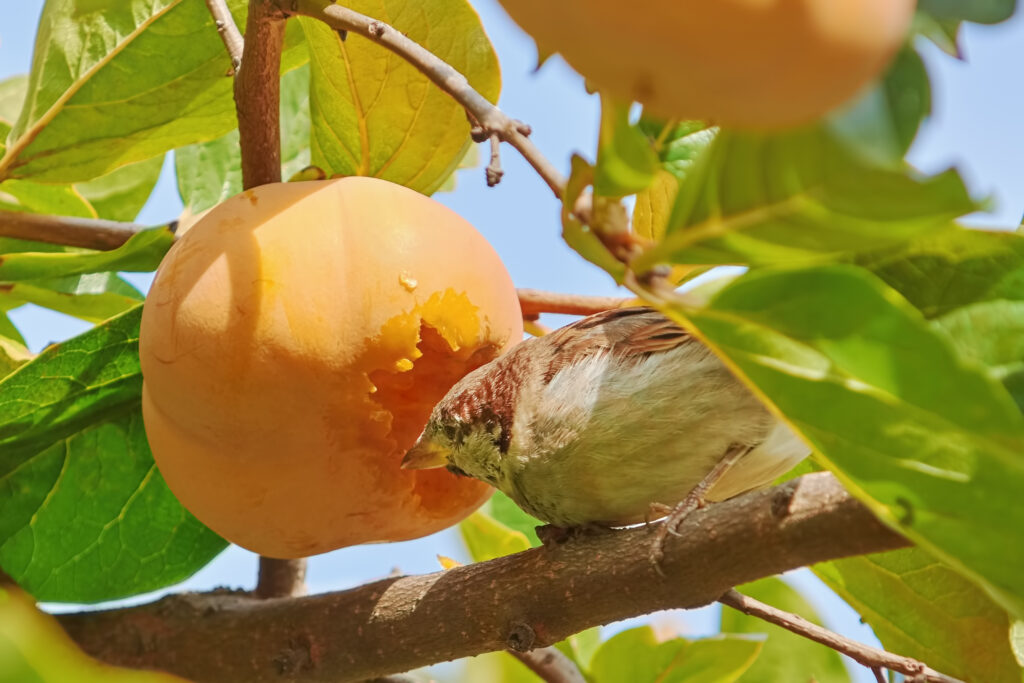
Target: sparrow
604 422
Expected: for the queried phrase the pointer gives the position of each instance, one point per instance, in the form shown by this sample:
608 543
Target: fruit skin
282 383
759 64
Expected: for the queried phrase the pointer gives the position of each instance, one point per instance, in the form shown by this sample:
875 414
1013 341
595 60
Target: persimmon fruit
760 64
293 344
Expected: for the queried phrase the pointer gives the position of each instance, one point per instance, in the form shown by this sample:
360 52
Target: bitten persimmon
752 63
292 346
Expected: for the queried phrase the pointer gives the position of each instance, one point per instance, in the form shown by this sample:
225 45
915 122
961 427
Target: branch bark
527 600
258 94
229 34
90 233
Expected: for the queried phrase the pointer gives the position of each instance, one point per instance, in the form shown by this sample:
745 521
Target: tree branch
225 24
871 657
90 233
533 302
258 95
527 600
492 120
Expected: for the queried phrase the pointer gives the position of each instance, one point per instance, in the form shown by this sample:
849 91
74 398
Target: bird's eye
458 472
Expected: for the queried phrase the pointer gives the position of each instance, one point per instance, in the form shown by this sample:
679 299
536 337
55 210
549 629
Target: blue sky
977 107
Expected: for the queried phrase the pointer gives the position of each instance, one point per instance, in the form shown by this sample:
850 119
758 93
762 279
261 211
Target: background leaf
104 92
754 199
785 655
374 114
121 194
637 656
920 608
929 441
626 161
84 513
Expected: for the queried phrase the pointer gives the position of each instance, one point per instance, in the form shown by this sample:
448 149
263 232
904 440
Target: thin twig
535 301
90 233
550 665
490 118
879 676
871 657
228 31
494 172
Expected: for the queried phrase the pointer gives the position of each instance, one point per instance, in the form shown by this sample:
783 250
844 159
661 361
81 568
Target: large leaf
920 608
932 443
785 655
637 656
953 268
798 197
374 114
121 194
35 649
31 197
84 513
981 11
486 538
117 82
142 252
210 172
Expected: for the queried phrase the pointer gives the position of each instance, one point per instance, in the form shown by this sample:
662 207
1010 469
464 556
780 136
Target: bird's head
469 431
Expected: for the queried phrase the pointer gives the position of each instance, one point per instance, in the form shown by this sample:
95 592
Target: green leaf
579 235
142 252
12 95
930 442
13 354
920 608
35 649
1017 641
882 123
501 508
118 82
210 172
29 197
637 656
953 268
486 538
980 11
84 513
991 333
785 655
626 161
121 194
797 197
943 32
678 145
374 114
93 297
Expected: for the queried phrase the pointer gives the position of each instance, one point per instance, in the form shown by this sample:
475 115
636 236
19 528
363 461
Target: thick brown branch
531 599
258 94
491 119
533 302
225 24
90 233
871 657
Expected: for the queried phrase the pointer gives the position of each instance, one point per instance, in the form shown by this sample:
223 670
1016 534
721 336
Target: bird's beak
425 455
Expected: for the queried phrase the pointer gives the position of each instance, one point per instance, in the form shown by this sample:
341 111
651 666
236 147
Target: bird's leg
656 511
694 500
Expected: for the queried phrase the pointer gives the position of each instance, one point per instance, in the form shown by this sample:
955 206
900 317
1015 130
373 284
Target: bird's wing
630 333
